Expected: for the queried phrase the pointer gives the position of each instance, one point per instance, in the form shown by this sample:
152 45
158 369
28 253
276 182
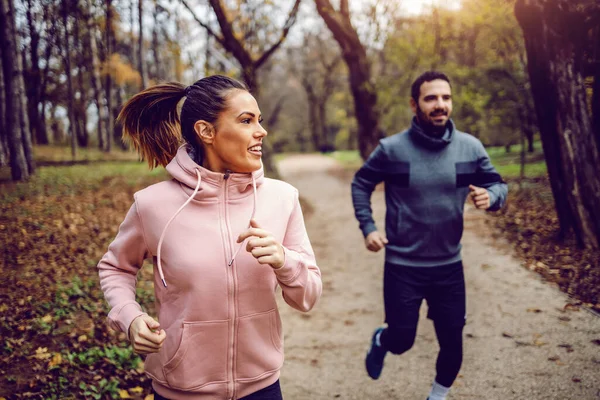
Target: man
429 171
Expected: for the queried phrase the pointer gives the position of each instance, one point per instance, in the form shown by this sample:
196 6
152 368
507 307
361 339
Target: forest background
331 77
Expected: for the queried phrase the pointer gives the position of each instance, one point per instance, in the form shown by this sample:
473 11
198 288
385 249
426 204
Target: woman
218 334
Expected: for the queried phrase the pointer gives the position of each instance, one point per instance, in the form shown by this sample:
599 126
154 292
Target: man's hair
428 76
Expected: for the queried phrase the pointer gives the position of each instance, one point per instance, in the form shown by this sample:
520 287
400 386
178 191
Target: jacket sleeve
363 184
300 277
489 178
118 271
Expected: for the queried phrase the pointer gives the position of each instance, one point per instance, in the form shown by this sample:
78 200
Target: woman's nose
261 132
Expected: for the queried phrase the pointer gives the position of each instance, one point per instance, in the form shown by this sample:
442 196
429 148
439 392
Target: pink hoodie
224 336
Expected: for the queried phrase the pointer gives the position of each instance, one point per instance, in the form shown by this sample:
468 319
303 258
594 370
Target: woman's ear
205 131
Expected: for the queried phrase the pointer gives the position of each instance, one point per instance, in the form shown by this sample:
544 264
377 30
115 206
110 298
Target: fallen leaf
47 318
507 335
124 394
571 306
136 389
149 397
41 353
576 379
534 310
56 360
554 358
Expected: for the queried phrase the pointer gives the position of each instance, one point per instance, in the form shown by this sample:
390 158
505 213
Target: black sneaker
375 356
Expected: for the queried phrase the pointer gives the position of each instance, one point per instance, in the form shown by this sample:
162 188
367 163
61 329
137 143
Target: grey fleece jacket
426 185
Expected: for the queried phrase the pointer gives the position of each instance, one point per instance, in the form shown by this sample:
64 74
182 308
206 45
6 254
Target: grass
74 179
348 158
49 154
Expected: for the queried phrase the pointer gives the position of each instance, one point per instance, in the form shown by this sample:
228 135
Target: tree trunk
158 75
554 38
141 63
313 113
18 163
363 89
34 81
132 7
70 94
22 101
108 85
596 85
83 136
118 129
95 75
50 32
3 144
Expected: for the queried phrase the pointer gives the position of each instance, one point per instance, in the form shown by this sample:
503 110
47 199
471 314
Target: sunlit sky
419 6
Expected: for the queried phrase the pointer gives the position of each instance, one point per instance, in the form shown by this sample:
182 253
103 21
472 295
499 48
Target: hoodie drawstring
251 218
162 235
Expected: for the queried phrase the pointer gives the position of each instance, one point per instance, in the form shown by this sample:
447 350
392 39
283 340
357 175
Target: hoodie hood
184 170
418 134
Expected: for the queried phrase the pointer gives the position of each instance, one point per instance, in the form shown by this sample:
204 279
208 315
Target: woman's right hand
145 335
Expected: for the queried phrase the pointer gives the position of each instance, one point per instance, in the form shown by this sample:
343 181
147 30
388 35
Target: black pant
271 392
444 290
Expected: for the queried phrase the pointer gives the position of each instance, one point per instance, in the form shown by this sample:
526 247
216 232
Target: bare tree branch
230 41
344 9
202 24
291 19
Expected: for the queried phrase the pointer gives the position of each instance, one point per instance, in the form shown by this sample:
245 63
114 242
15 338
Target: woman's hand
263 246
145 335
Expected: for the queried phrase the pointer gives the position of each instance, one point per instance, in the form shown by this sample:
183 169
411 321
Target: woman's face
237 142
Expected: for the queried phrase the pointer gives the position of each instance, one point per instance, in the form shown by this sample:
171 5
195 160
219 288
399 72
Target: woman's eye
260 121
246 121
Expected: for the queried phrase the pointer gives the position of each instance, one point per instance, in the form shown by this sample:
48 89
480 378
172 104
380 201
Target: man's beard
428 126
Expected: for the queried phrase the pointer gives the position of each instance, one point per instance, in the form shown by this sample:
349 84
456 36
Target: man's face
435 105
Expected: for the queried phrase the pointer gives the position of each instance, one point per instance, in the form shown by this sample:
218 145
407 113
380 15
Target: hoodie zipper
232 290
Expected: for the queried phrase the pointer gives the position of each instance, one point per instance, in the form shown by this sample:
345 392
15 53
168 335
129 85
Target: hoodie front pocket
201 357
260 345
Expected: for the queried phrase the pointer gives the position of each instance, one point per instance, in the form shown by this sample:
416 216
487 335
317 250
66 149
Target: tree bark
363 89
95 75
596 84
18 162
3 144
83 136
141 63
158 74
313 114
22 100
108 85
554 38
34 80
70 94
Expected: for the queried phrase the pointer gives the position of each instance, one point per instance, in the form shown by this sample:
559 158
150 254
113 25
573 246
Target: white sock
377 338
438 392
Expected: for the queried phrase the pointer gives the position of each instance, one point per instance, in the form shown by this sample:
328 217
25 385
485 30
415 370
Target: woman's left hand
263 246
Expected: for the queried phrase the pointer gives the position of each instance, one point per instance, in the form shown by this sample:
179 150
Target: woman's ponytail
151 122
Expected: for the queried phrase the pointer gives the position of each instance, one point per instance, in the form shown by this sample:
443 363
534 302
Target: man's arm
488 178
363 184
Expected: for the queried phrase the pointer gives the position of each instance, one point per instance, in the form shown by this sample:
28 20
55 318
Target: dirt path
521 342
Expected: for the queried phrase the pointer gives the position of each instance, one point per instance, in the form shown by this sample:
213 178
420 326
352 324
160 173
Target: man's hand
375 241
480 197
263 246
145 335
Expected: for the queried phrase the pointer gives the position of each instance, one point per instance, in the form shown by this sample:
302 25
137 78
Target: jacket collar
417 133
183 169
